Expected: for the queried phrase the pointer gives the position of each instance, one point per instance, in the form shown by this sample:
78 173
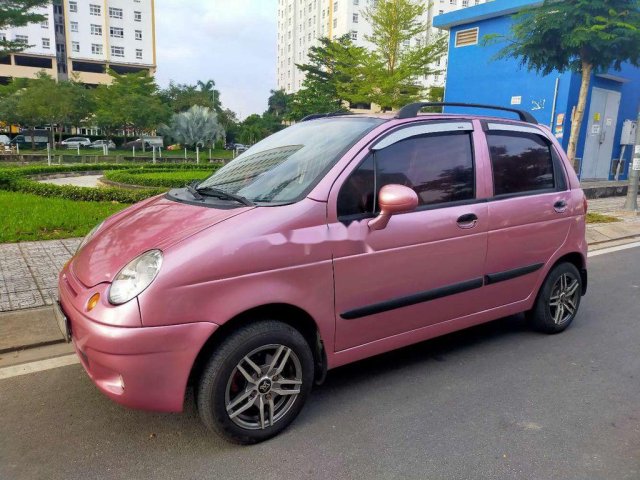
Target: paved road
494 402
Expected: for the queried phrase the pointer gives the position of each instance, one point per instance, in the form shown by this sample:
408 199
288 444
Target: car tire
249 401
558 300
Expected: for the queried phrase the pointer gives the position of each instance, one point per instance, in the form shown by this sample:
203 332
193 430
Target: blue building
474 75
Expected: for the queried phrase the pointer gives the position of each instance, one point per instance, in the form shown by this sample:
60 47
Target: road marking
39 366
603 251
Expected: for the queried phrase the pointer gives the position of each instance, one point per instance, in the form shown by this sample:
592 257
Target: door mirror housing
393 199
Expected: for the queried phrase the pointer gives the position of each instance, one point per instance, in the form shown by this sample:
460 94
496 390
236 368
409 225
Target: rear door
529 217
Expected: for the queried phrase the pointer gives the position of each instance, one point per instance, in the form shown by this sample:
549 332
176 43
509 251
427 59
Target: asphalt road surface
493 402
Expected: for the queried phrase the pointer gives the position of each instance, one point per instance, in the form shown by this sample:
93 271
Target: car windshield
286 165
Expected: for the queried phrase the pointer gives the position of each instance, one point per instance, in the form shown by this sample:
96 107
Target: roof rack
411 110
324 115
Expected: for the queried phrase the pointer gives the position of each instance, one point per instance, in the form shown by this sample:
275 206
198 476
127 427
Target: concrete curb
28 328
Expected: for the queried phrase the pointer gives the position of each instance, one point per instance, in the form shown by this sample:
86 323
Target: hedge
17 180
170 178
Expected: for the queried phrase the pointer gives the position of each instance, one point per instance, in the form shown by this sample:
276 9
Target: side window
439 167
521 162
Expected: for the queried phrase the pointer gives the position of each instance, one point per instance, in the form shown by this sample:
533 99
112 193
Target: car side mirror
393 199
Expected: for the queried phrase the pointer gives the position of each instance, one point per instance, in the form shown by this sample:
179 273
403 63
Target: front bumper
139 367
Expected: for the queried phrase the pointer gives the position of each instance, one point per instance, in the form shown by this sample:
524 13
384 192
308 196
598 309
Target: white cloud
230 41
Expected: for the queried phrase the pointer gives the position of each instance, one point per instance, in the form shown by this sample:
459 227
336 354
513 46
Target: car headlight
135 276
89 235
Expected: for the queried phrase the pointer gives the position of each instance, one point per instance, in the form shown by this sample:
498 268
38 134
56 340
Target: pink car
338 238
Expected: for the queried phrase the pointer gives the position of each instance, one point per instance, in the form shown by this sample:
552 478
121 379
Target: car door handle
560 206
468 220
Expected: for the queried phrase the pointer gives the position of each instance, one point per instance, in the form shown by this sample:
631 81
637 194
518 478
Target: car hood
153 224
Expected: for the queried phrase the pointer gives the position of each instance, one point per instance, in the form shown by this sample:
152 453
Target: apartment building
302 22
83 38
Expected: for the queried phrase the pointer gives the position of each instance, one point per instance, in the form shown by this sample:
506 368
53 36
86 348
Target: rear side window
438 167
521 162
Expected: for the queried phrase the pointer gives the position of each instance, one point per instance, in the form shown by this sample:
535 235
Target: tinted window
521 162
438 167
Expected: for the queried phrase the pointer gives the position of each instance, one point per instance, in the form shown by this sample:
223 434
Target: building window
117 51
354 35
115 12
335 6
95 10
96 29
45 22
96 48
335 23
116 32
73 7
74 26
465 3
465 38
453 2
355 18
137 16
22 38
46 43
138 34
356 2
521 162
139 53
75 47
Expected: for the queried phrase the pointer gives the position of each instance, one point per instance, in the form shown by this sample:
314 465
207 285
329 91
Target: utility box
628 136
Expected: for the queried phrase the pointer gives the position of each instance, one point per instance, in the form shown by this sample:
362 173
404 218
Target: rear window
521 163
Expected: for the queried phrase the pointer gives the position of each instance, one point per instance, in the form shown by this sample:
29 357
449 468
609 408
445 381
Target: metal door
603 116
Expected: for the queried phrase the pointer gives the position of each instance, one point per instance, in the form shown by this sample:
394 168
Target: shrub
158 178
17 179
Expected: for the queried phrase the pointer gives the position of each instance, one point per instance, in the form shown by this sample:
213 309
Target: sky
232 42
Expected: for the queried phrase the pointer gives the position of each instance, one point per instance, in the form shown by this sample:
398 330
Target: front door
603 116
426 266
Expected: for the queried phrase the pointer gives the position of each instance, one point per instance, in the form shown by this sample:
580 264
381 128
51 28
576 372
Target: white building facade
85 38
302 22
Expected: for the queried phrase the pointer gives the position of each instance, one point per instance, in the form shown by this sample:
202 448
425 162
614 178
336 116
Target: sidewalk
29 270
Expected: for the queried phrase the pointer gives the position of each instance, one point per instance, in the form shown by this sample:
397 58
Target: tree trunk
576 121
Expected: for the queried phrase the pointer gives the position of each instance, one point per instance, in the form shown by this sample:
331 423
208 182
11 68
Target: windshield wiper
216 192
193 191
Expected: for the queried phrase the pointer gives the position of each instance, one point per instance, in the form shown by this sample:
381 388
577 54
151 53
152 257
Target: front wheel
256 382
558 300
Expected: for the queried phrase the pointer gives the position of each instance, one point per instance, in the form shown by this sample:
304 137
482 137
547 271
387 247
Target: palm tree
210 87
198 126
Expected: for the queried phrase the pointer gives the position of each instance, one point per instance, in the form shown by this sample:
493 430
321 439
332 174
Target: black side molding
413 299
509 274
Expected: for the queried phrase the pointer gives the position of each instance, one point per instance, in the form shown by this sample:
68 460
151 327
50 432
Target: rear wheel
256 382
558 300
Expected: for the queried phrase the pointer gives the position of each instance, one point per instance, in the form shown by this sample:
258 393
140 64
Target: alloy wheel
564 298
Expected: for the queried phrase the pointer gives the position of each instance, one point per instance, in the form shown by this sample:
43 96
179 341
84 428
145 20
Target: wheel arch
292 315
579 261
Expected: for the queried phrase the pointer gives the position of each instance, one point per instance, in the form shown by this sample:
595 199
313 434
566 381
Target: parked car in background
29 138
137 143
5 140
74 142
333 240
102 143
239 148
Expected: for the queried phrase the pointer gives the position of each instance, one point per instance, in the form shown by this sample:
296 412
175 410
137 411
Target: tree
582 36
334 75
209 88
198 126
18 13
279 103
402 52
131 103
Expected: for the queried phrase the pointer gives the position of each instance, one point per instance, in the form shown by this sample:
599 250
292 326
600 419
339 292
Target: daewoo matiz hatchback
338 238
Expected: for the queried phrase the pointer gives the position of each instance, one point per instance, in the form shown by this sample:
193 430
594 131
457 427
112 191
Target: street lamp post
634 173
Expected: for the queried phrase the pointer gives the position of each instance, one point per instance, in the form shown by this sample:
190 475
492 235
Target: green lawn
25 217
